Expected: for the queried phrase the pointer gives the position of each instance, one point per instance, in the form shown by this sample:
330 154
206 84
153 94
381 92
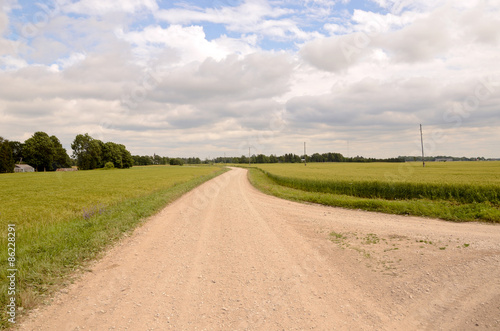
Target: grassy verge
48 252
447 210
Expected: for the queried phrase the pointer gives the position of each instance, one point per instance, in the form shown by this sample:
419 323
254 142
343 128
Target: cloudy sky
204 78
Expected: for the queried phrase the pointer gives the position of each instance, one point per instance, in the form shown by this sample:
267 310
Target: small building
23 168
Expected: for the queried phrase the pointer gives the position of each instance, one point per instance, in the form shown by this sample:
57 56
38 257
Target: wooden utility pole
305 155
422 141
248 155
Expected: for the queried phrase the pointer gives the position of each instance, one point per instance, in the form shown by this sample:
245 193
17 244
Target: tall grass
461 193
455 191
434 172
30 199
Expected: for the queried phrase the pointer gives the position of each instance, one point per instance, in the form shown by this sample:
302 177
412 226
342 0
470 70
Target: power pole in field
305 155
422 141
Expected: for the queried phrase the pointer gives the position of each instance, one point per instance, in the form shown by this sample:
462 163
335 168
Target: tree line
294 158
145 160
260 158
92 153
46 153
41 151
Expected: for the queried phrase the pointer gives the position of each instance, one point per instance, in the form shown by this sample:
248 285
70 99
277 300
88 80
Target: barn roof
24 166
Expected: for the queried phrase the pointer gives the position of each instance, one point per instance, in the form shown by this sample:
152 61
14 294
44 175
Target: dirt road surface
227 257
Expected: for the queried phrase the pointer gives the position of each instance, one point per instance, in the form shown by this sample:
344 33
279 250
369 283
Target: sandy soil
227 257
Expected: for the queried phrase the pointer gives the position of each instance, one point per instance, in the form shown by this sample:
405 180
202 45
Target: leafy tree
136 159
157 159
142 160
292 158
87 152
337 157
176 161
127 160
273 159
39 151
112 152
117 154
243 159
109 165
288 158
193 160
98 149
166 160
261 158
149 160
17 150
7 161
316 157
61 157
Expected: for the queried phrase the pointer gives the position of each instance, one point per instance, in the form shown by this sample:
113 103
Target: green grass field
434 172
457 191
63 219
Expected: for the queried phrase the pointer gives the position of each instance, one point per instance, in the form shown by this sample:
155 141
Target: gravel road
227 257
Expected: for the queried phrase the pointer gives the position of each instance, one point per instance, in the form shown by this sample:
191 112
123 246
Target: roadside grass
445 209
54 241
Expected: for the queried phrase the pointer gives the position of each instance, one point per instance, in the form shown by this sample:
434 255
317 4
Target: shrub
109 165
176 161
